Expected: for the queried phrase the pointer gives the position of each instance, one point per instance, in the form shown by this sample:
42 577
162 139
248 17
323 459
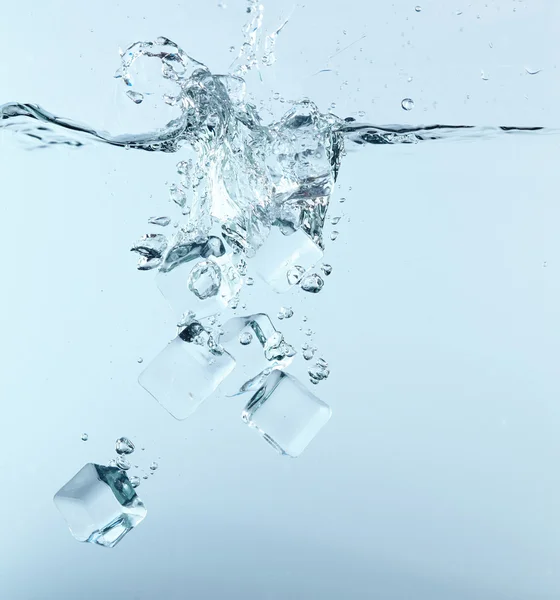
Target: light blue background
437 477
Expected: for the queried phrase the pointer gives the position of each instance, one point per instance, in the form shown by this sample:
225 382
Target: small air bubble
407 104
418 9
85 437
245 338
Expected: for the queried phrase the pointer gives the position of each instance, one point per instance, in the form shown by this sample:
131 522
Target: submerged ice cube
100 505
286 414
281 254
186 372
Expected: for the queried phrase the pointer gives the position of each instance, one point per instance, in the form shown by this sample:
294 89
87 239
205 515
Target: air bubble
407 104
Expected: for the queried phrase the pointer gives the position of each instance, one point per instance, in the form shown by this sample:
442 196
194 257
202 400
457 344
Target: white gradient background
437 477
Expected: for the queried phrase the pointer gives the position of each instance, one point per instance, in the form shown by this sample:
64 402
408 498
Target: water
286 414
256 194
100 505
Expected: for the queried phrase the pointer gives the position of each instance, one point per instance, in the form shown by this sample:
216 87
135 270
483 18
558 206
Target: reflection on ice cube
204 287
185 373
100 505
286 414
280 253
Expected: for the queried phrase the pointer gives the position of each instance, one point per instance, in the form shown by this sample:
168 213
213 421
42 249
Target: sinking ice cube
100 505
186 372
281 253
206 287
286 414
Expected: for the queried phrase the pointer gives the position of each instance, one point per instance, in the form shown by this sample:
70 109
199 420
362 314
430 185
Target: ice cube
186 372
286 414
280 253
100 505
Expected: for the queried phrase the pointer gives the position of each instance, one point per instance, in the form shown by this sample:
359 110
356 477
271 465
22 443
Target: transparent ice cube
184 374
286 414
100 505
280 253
186 287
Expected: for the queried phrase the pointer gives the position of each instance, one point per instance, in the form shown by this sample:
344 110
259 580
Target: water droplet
409 79
295 274
334 235
123 463
177 195
85 437
232 48
342 200
418 8
361 114
407 104
134 481
140 360
249 281
245 338
136 97
161 221
205 279
308 332
144 477
530 71
484 76
124 446
154 466
312 283
326 268
335 220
